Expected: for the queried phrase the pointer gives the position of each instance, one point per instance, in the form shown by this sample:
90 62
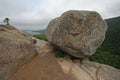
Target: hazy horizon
36 14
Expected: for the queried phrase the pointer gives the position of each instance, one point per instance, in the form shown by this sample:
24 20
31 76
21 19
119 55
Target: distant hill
109 51
34 32
112 40
39 31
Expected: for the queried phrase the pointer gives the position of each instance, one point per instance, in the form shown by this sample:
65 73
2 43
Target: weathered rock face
78 33
16 48
89 70
40 68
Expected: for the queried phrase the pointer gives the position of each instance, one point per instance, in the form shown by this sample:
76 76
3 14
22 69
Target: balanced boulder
16 48
78 33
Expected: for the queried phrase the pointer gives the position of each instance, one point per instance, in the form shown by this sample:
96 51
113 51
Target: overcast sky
36 14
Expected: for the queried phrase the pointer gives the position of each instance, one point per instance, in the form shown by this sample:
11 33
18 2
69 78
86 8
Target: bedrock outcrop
89 70
16 48
47 67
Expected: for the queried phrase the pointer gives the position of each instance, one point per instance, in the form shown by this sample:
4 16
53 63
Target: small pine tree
6 20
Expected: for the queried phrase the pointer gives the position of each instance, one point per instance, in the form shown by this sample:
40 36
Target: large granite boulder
16 48
78 33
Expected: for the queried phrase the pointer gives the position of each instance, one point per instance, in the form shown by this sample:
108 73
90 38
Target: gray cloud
36 14
113 9
12 8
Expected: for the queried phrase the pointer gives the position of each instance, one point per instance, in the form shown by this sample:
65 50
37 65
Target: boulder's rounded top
83 13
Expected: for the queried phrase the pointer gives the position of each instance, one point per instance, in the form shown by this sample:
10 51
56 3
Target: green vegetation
59 54
109 51
106 58
40 36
